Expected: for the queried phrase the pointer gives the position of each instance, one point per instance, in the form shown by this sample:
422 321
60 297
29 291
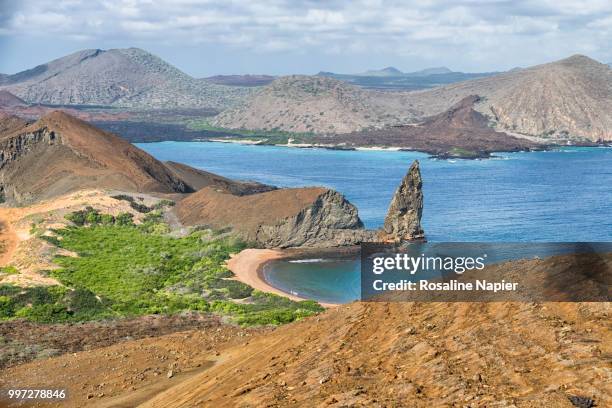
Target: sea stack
403 220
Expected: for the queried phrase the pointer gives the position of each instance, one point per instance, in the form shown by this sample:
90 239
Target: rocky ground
120 363
363 354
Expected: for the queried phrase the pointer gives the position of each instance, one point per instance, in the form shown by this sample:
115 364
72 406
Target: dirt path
8 240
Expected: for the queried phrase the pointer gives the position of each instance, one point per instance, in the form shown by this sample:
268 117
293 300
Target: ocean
563 195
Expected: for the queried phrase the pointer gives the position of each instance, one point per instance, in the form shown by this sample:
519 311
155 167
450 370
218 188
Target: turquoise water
555 196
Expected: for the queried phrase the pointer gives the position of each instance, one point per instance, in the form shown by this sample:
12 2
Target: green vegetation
9 270
124 269
271 137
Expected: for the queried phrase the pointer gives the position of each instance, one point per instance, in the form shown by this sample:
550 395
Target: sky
209 37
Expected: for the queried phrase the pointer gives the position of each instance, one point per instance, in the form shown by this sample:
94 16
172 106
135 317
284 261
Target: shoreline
248 264
480 155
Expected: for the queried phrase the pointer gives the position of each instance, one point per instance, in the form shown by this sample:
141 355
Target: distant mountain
389 71
394 72
566 99
431 71
315 104
118 77
240 80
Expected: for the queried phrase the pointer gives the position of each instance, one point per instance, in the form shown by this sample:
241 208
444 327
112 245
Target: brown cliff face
403 220
313 217
59 154
292 217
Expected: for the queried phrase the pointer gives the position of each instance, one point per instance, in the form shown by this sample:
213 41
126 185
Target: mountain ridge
567 99
562 100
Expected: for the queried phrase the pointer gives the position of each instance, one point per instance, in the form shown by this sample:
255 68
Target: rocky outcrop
329 221
403 220
312 217
292 217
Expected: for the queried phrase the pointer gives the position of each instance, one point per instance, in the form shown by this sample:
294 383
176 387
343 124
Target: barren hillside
460 131
119 77
570 98
425 354
318 105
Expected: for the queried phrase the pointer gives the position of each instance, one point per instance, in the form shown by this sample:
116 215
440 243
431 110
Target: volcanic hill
10 123
563 100
315 104
8 100
566 99
118 77
60 153
458 132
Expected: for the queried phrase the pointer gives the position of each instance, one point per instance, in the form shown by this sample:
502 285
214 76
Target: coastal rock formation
304 217
292 217
403 220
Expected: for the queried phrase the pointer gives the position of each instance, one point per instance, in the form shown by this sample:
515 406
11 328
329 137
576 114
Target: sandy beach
248 268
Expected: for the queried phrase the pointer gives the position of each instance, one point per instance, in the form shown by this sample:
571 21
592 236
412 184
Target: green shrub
128 270
163 203
76 217
9 270
44 313
124 219
107 219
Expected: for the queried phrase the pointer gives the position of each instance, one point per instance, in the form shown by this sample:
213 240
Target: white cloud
479 29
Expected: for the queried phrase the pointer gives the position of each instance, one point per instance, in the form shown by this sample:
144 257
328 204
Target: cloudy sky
206 37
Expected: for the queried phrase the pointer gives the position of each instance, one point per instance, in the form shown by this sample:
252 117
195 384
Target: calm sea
556 196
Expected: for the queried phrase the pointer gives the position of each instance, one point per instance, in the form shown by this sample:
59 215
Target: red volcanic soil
10 123
60 153
245 213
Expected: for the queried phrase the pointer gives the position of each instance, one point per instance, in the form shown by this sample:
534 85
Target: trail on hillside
8 239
